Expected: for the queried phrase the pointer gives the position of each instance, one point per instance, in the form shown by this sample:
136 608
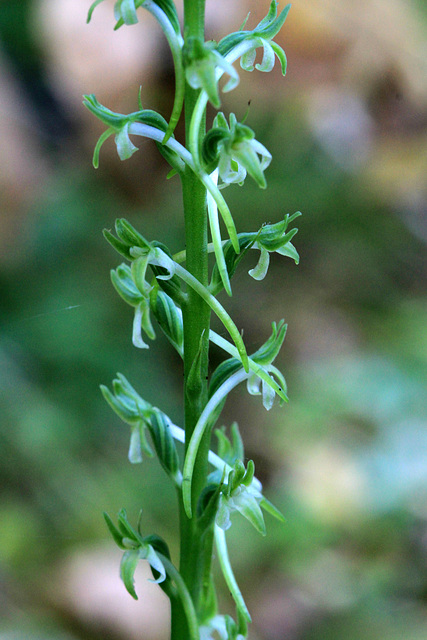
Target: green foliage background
346 461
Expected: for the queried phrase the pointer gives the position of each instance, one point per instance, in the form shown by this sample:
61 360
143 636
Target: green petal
123 411
102 138
91 10
127 570
118 538
281 55
289 251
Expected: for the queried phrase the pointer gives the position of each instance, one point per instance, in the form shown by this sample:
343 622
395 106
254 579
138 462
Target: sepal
122 280
130 407
128 281
269 351
273 237
121 247
270 238
129 235
131 286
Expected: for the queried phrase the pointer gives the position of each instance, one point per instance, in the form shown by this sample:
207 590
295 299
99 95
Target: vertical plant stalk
196 318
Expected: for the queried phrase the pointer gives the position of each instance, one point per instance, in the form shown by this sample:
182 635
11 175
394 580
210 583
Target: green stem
196 318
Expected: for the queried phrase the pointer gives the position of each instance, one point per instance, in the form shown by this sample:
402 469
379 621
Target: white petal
268 395
134 454
125 148
160 259
260 271
263 152
267 62
253 385
136 333
151 556
248 59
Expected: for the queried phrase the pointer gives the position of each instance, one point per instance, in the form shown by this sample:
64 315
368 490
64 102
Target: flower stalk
178 293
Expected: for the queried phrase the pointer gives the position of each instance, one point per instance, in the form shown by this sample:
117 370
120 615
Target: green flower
137 548
233 149
261 36
274 238
242 493
201 61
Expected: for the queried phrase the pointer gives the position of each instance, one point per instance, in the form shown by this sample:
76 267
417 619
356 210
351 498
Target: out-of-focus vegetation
347 459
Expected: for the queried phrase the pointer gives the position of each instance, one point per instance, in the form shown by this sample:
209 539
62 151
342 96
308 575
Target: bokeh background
346 460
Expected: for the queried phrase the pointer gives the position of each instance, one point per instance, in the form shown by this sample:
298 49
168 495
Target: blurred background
346 460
